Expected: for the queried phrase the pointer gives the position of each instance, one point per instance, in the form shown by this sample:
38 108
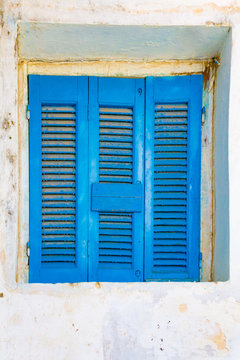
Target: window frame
140 70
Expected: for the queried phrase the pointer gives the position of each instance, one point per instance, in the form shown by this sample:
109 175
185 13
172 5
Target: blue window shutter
58 178
172 168
116 136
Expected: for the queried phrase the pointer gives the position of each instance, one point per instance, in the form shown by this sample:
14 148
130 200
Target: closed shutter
58 237
116 119
172 209
96 214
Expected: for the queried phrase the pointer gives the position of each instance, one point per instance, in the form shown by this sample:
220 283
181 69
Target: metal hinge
28 112
203 114
200 260
28 249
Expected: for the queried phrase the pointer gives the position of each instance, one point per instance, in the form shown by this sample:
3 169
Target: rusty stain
1 19
11 157
219 339
198 10
72 284
177 9
182 308
210 71
128 68
1 295
2 257
7 123
212 23
16 44
98 285
206 76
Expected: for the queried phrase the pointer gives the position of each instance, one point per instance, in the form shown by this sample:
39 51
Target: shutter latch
203 114
200 260
28 250
28 112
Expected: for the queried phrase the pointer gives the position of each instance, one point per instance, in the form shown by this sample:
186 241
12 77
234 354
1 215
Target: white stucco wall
113 321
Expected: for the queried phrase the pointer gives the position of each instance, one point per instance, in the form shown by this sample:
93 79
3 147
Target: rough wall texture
112 321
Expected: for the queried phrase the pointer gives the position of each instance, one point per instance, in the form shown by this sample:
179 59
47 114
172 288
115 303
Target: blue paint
114 192
116 151
58 195
117 197
172 168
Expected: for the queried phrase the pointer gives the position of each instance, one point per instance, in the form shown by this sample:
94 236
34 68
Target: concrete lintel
72 42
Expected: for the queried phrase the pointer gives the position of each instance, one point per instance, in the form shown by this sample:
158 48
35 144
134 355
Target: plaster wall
113 321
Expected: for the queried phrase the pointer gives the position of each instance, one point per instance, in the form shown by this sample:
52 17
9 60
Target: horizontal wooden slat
58 184
169 262
170 256
170 187
169 249
115 259
109 245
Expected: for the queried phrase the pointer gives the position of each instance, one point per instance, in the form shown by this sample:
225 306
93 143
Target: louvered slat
58 184
170 192
115 143
115 239
115 166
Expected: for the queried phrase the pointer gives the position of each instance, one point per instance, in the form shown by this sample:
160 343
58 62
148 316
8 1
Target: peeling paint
118 68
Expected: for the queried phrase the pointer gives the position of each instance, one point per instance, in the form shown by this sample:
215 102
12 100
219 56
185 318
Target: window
115 178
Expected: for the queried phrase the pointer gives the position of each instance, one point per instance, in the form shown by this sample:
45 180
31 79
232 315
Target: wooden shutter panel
173 151
116 121
58 178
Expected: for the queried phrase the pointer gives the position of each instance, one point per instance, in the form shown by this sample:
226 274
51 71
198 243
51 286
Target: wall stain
16 319
182 308
7 123
219 339
206 76
177 9
11 157
2 257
